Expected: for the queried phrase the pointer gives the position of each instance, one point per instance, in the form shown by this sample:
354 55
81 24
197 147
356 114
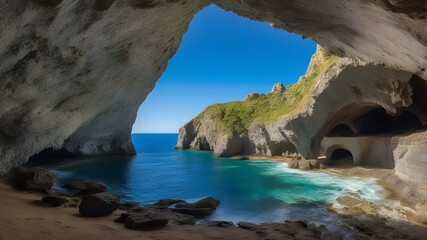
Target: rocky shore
32 206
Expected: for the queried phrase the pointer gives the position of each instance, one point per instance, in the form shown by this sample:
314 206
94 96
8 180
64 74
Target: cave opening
50 154
377 121
341 130
341 157
341 154
223 57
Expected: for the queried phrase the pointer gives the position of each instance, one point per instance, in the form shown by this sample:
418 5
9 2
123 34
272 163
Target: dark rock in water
196 212
202 208
98 205
174 218
168 202
86 188
38 179
222 224
208 202
55 201
129 205
145 221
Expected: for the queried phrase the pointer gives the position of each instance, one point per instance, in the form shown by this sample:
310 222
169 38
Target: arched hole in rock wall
254 61
377 121
341 130
51 154
340 157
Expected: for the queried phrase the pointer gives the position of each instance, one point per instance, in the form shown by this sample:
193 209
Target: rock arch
73 73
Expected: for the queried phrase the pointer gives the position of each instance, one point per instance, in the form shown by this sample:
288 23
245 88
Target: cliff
342 108
255 125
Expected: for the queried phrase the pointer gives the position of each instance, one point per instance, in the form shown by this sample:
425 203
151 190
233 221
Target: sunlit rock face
73 73
206 133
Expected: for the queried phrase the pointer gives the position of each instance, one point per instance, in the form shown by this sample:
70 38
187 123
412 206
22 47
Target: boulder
55 201
222 224
286 230
38 179
129 205
145 221
196 212
202 208
208 202
86 188
157 213
304 164
278 88
98 205
168 202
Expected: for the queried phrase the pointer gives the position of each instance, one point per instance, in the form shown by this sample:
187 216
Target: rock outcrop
37 179
255 125
370 114
98 205
73 73
278 88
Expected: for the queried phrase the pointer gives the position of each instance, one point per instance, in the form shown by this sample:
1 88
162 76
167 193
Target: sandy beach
23 216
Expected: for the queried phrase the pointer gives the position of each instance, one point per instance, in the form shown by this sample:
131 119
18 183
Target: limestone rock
58 62
53 76
38 179
278 88
98 205
304 164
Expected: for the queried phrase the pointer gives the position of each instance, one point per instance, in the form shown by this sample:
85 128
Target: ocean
249 190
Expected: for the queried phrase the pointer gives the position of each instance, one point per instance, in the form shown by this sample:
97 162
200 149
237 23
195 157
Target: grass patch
238 115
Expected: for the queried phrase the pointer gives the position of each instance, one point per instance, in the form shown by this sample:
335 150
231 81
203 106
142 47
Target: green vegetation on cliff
238 115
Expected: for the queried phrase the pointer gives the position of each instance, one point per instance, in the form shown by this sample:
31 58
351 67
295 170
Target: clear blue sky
223 57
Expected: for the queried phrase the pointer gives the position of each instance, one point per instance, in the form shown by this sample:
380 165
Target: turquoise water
255 190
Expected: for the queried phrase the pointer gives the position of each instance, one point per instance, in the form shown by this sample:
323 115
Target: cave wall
389 32
348 88
73 73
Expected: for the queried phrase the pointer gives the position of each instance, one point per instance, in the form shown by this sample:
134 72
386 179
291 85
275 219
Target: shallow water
255 190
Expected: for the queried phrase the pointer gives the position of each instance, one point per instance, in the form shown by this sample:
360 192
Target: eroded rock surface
38 179
73 73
